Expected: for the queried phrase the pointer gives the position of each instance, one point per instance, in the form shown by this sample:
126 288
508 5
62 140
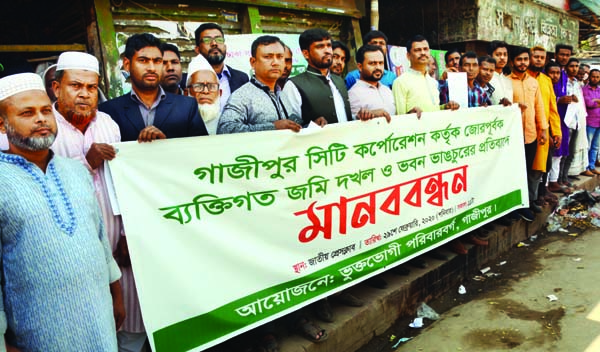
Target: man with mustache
415 91
171 75
527 93
148 112
469 64
57 267
341 55
210 43
317 95
145 114
256 106
487 67
85 134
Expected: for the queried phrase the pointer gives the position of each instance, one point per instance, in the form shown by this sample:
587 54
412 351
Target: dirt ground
510 310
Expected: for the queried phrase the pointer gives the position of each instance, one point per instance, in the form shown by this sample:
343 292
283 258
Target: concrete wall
526 23
518 22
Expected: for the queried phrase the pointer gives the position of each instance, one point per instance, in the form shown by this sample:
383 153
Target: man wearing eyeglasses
203 84
210 43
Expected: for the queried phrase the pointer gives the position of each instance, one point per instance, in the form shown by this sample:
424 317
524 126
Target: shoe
574 177
400 270
350 300
418 263
377 282
554 187
588 173
477 241
458 248
514 216
597 163
437 255
526 214
535 208
596 172
323 310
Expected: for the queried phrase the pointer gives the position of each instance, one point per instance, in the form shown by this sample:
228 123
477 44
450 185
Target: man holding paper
463 86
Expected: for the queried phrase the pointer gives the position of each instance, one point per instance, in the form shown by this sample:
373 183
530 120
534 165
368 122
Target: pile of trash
580 209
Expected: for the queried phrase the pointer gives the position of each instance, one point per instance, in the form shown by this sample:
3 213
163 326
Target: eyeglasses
199 87
218 40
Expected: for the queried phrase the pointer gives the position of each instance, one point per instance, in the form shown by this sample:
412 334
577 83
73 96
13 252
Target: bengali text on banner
229 232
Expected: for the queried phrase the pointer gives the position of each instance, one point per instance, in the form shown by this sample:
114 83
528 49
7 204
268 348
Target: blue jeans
593 136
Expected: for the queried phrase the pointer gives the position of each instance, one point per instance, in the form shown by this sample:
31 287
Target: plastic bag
425 311
554 223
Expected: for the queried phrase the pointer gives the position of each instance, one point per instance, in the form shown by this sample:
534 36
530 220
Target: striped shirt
71 143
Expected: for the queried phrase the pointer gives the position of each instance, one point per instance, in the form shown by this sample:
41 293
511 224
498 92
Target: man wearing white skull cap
203 84
85 134
56 261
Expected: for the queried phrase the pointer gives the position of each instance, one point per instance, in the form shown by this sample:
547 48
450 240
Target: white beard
210 111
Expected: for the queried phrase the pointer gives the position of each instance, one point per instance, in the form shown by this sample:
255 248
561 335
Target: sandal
311 331
269 344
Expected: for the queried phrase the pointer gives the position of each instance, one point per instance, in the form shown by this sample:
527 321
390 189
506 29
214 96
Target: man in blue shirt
373 38
60 281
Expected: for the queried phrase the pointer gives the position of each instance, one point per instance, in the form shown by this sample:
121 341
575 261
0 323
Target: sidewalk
354 327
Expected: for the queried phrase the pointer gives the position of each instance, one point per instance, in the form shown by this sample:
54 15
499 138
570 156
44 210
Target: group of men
62 246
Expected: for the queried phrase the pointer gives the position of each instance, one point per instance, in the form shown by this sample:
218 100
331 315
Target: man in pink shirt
591 96
85 134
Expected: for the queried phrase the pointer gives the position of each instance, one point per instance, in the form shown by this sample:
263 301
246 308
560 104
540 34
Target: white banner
228 232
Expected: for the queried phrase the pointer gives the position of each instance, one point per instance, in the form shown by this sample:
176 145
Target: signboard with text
229 232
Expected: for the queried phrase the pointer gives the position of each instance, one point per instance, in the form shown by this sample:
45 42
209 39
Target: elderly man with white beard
203 85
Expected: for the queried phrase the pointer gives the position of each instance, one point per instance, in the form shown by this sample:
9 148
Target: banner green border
202 329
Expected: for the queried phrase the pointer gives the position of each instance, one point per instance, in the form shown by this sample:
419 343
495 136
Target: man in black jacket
210 43
148 112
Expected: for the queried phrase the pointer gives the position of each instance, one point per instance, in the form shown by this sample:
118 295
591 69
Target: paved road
511 311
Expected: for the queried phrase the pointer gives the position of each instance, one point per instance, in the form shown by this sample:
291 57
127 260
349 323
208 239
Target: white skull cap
20 82
75 60
198 63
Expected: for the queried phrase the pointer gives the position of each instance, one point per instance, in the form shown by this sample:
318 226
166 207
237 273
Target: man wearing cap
85 134
203 85
58 269
147 112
